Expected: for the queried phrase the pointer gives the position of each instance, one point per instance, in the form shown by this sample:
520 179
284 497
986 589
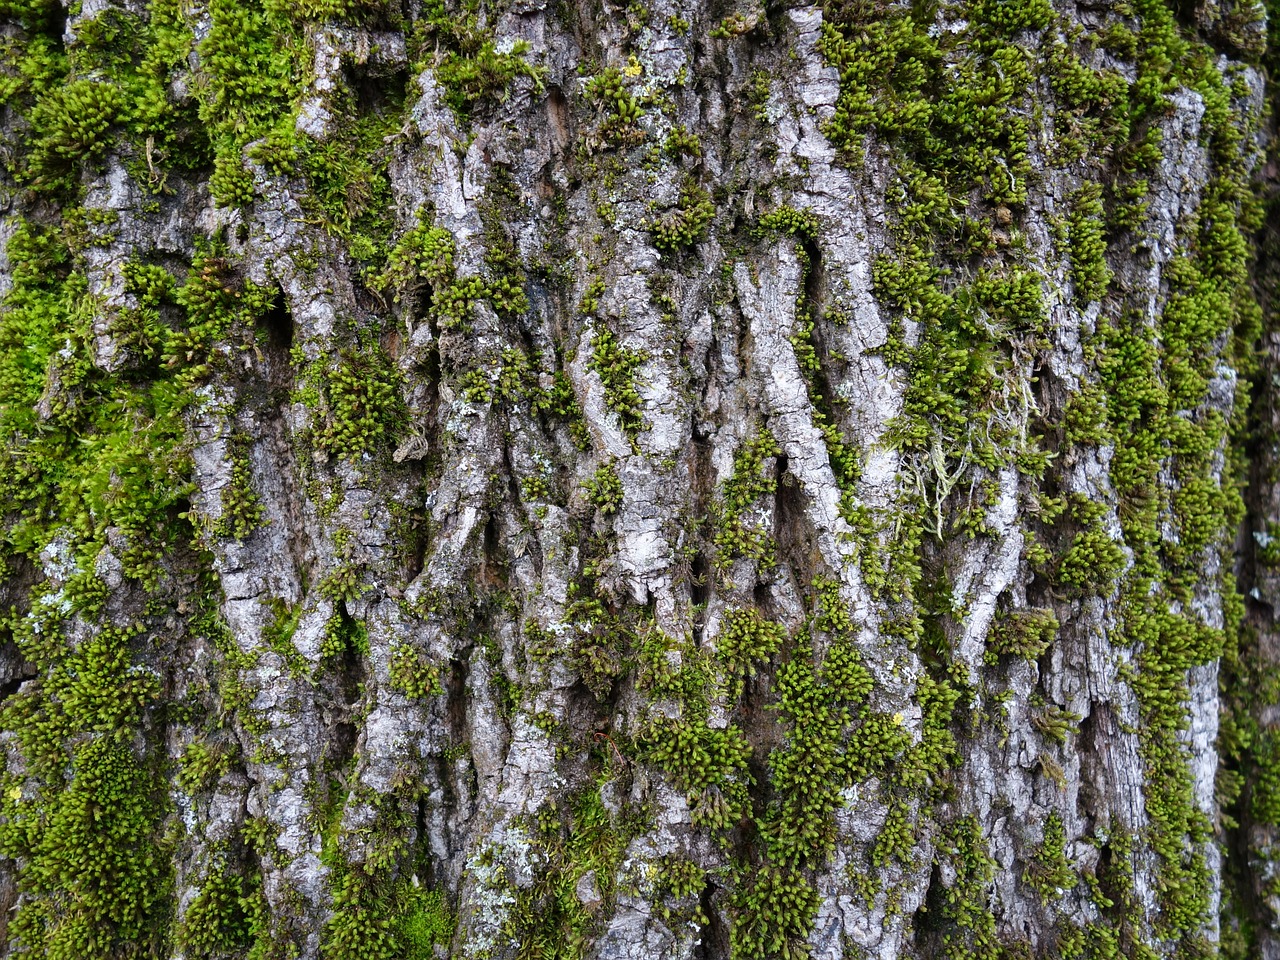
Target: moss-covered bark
525 480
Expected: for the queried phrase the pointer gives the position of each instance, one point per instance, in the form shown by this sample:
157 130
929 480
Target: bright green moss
227 916
346 170
343 637
709 764
359 928
241 508
1094 560
1021 633
1085 419
423 255
97 878
364 405
801 224
252 61
683 226
617 366
1087 245
776 910
72 122
604 490
752 481
467 64
426 923
896 839
412 674
746 639
970 928
621 109
203 762
681 881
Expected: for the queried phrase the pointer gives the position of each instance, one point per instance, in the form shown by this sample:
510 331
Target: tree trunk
687 481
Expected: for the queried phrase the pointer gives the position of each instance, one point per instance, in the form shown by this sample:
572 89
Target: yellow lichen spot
897 718
633 68
15 793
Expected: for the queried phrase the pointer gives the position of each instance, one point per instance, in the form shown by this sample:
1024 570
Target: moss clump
228 915
969 927
72 122
423 255
604 490
580 840
252 64
746 639
203 762
412 674
364 405
683 226
776 910
1085 419
97 878
737 532
1022 633
463 54
1050 873
241 508
709 763
620 108
617 366
896 839
375 919
1094 560
1086 244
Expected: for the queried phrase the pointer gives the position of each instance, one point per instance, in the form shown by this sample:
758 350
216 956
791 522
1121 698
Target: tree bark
703 481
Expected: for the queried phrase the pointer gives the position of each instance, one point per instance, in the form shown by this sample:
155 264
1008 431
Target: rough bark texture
706 481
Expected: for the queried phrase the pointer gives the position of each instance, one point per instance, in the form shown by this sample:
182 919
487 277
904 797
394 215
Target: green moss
737 532
412 674
203 762
453 39
426 923
364 405
1086 244
253 62
1085 419
686 223
617 366
604 490
1021 633
227 916
96 875
746 639
579 837
969 927
708 763
601 641
423 255
775 912
1094 560
343 637
896 838
241 509
1056 724
620 108
72 122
